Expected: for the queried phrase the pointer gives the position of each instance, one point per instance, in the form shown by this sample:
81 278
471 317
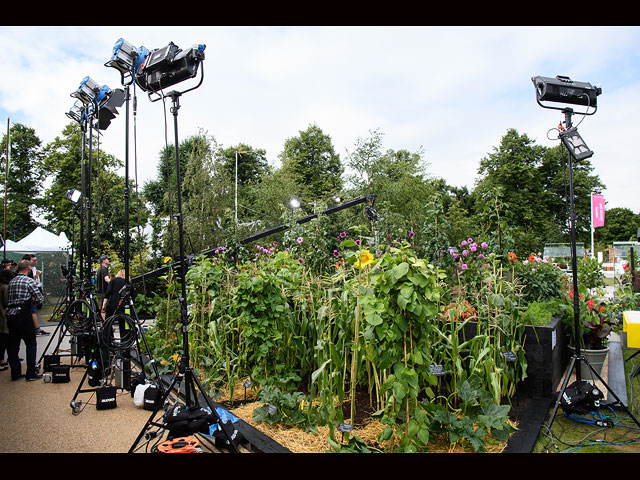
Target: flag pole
592 229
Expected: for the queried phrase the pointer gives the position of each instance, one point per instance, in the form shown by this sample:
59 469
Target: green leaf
400 270
399 391
423 436
386 434
317 373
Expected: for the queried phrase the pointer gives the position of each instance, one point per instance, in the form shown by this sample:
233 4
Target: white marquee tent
40 240
52 251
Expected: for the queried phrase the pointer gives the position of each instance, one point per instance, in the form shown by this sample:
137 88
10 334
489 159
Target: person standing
5 277
102 279
37 277
22 293
112 296
35 274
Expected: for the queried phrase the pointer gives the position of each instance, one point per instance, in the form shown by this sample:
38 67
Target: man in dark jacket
23 292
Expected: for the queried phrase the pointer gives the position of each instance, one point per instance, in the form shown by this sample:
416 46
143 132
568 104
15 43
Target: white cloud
452 91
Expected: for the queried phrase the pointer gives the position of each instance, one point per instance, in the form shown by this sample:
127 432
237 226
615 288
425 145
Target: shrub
541 278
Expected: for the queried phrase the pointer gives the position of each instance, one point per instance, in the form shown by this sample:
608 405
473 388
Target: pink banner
597 211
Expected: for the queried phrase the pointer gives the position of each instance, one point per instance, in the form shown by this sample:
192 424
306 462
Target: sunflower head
364 258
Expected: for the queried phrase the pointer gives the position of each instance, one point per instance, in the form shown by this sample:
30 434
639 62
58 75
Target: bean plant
310 339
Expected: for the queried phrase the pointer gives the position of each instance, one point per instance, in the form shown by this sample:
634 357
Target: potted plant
595 330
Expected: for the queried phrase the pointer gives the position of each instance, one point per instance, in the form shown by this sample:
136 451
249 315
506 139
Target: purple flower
343 234
300 240
470 240
411 234
357 242
484 245
464 266
473 248
481 257
463 243
465 253
335 253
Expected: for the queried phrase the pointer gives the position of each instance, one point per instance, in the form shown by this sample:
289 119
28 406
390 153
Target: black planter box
547 357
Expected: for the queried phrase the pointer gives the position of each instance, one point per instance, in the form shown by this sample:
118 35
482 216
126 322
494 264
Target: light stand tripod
185 370
128 318
61 308
577 358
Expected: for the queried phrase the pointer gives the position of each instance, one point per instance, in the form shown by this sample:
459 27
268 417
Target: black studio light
98 101
164 67
561 89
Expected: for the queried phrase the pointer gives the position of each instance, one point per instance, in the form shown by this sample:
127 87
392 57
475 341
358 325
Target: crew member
23 292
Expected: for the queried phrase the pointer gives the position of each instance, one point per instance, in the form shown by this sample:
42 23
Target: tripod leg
213 410
561 392
160 404
612 392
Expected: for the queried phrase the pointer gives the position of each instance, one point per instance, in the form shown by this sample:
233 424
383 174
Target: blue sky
451 92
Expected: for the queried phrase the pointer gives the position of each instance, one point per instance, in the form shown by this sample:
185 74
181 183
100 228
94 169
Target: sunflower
364 258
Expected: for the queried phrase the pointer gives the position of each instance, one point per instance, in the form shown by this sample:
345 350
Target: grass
569 436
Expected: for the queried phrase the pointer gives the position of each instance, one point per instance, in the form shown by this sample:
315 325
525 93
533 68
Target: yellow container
631 325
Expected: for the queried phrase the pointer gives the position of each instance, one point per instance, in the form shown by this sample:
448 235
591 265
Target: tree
621 225
310 159
62 159
206 190
530 180
24 180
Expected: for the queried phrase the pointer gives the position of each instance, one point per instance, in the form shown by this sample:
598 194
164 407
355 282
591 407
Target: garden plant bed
367 428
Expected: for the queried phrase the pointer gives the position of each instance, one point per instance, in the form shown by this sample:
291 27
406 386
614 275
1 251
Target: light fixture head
562 89
126 58
77 112
73 195
575 144
294 202
87 91
164 67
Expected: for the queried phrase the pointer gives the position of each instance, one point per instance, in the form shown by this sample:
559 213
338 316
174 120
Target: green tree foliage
312 161
23 180
63 160
206 196
530 179
620 225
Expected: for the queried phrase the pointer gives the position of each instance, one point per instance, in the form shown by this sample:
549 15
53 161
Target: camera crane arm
251 238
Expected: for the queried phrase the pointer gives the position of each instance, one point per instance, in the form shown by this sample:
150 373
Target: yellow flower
364 258
175 357
167 259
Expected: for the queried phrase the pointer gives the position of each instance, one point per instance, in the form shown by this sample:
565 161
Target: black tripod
577 357
61 308
185 373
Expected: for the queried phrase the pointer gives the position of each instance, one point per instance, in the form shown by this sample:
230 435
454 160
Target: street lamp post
236 193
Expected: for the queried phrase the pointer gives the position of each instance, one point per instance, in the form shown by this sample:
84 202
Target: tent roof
40 240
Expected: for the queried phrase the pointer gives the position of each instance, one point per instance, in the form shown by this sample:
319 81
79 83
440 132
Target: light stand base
192 386
573 364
